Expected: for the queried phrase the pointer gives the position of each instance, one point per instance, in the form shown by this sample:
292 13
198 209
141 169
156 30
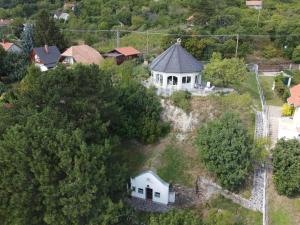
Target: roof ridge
167 64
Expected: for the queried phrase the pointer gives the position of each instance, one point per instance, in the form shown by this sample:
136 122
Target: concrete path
274 113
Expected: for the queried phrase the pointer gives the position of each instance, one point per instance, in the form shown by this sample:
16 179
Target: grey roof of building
49 59
176 60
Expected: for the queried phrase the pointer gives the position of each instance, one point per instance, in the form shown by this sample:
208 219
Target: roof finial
179 41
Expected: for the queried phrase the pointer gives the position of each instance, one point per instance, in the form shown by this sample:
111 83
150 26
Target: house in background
5 22
10 47
45 57
69 6
61 16
122 54
149 186
81 54
289 127
254 4
176 69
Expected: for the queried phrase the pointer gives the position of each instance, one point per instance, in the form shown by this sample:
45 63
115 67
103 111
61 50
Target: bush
225 149
296 54
286 164
175 218
3 88
182 99
280 87
287 110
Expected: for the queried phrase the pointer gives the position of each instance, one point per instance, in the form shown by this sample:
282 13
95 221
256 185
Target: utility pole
147 42
237 45
118 38
258 18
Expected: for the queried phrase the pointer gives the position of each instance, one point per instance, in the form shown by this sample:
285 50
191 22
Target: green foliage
225 72
46 32
15 65
182 99
223 211
175 218
141 112
225 149
174 164
296 54
287 110
3 88
280 87
286 164
27 39
68 125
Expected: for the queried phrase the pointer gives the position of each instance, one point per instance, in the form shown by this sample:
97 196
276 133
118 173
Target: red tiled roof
4 22
253 3
128 51
6 45
295 96
84 54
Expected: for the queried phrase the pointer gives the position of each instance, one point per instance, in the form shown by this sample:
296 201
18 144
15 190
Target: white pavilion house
176 69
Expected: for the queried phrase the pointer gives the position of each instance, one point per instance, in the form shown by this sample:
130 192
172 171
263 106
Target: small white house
61 16
176 69
149 186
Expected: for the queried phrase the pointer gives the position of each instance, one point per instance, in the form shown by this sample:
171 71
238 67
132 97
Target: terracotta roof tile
128 51
6 45
295 96
84 54
253 3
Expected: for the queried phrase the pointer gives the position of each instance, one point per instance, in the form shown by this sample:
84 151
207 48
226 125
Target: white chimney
46 48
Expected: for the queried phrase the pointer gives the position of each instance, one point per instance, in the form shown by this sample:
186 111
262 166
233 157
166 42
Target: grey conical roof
176 60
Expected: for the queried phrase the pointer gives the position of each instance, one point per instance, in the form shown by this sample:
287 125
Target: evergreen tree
27 39
46 32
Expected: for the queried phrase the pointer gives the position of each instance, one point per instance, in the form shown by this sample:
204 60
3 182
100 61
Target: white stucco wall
296 117
149 180
69 60
180 85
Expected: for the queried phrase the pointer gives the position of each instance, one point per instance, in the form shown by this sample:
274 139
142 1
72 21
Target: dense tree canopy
46 32
286 164
60 160
225 72
225 148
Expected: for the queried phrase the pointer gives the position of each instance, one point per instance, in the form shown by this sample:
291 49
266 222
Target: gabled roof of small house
295 96
49 55
176 60
6 45
127 51
153 174
84 54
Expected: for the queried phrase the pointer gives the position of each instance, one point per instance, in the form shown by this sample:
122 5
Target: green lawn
249 86
281 209
271 97
173 166
224 211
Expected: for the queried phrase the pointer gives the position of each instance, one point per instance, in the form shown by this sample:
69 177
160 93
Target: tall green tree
225 148
47 32
286 164
27 39
225 72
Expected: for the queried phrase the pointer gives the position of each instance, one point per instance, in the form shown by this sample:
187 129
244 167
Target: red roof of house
4 22
253 3
6 45
127 51
295 96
